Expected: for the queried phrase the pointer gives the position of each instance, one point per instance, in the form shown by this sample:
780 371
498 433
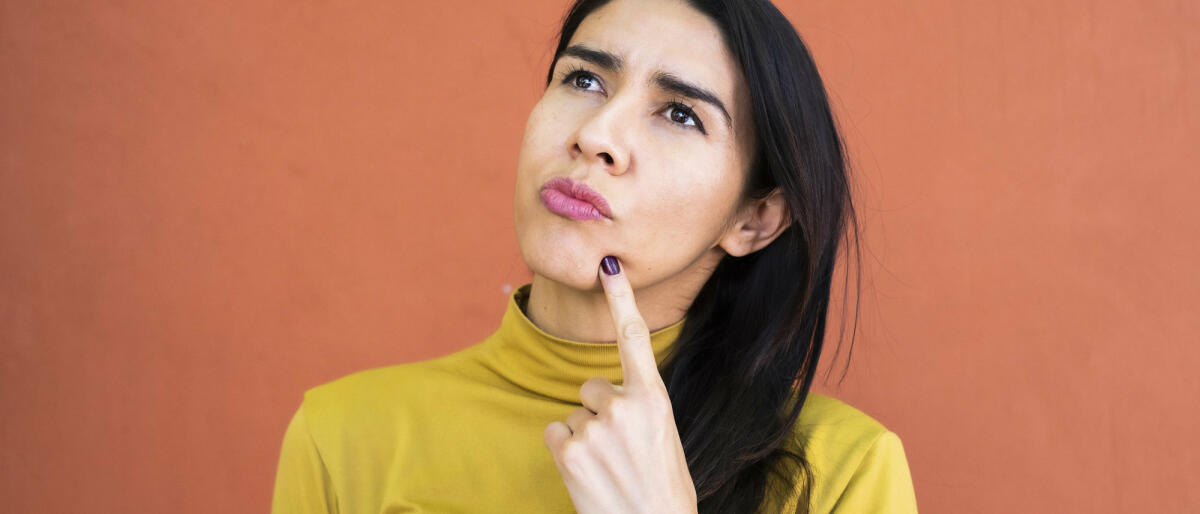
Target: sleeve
882 483
302 484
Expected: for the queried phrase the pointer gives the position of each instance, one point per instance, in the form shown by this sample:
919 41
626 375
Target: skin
675 192
677 209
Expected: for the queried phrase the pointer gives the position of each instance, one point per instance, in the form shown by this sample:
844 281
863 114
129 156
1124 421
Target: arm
302 484
882 482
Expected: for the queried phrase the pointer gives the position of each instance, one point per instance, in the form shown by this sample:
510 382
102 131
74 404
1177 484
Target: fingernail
610 266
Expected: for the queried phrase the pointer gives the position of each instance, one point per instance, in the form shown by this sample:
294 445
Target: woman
683 154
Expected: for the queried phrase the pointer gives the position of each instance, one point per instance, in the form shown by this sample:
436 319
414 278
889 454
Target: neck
584 315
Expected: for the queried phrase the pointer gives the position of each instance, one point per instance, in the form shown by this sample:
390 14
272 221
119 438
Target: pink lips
574 200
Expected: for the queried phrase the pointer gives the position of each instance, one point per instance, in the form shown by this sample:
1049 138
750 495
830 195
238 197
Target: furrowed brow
606 60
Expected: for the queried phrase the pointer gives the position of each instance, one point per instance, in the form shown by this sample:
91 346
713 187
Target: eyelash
571 73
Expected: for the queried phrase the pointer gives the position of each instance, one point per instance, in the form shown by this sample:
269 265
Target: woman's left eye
685 113
680 113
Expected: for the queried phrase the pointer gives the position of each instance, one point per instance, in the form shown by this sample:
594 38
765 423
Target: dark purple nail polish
610 266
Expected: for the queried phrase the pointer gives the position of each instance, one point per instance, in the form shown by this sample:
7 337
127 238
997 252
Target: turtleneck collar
556 367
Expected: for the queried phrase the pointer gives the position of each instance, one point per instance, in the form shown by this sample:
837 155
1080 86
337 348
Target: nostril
607 158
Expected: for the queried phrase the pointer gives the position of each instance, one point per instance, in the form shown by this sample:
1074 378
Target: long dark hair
745 360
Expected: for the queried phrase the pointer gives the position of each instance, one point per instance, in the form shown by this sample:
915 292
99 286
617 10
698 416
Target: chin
561 253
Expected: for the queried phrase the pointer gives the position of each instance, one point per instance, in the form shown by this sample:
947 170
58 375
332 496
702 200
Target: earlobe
760 223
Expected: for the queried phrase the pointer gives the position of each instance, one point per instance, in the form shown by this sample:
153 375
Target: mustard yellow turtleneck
463 433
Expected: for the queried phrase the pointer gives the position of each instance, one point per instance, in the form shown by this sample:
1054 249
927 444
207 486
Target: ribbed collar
555 367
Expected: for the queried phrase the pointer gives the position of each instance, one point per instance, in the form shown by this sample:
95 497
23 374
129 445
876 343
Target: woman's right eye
580 79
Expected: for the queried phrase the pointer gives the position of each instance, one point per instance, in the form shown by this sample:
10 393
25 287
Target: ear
756 225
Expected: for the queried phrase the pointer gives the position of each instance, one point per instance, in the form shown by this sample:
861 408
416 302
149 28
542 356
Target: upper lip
579 191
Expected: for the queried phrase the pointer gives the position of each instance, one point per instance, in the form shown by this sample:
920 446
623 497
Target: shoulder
835 432
828 417
379 398
853 456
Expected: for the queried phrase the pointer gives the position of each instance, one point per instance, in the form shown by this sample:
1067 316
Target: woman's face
671 176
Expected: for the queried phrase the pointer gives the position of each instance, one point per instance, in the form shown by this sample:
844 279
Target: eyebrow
664 80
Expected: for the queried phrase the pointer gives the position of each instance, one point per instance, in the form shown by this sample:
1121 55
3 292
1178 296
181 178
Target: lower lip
561 203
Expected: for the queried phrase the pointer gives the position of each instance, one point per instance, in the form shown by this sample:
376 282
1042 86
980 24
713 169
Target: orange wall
208 207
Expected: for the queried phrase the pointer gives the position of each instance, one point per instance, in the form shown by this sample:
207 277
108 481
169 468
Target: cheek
681 220
532 141
546 124
532 157
695 191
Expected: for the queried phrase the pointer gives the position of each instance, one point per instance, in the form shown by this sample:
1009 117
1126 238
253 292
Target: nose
599 141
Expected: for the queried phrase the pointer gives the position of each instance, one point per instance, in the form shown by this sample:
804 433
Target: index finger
633 337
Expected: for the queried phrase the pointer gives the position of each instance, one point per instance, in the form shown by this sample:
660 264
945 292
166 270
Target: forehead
665 35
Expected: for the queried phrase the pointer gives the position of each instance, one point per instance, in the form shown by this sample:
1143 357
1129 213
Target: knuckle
577 417
572 457
618 408
587 434
597 383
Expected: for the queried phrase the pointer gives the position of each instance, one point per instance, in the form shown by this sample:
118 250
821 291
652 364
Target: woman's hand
621 452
